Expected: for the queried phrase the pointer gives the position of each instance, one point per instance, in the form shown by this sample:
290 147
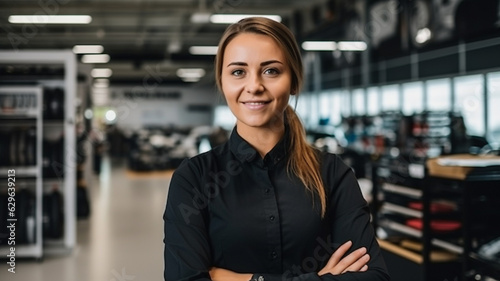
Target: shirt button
267 190
274 255
271 218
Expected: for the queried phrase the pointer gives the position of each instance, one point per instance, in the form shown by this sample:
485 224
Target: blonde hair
304 159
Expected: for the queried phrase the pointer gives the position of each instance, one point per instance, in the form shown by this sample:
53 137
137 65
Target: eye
237 72
271 71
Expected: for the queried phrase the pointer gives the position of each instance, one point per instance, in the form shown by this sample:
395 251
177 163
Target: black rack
466 203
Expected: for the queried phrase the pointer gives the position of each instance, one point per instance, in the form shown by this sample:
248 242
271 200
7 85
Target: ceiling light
332 46
101 72
190 72
423 35
200 17
203 50
319 46
101 58
351 46
52 19
228 19
88 113
88 49
110 115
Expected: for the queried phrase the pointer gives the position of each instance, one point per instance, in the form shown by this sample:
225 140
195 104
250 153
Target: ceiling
141 36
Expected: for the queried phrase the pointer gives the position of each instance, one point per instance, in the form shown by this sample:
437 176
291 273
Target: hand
355 261
221 274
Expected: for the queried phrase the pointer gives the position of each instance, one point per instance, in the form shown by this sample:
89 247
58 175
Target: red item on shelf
435 207
436 225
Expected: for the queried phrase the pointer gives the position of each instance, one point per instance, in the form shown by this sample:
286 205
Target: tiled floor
122 240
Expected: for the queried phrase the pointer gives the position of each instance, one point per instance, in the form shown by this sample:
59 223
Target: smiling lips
255 105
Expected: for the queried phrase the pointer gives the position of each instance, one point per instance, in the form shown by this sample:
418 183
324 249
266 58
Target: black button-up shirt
230 208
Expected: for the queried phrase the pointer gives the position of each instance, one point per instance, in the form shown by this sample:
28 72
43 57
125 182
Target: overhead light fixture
190 73
423 35
101 72
100 58
110 115
88 49
50 19
351 45
333 46
228 19
203 50
200 17
319 46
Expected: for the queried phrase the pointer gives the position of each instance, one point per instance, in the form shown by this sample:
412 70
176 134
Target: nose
254 85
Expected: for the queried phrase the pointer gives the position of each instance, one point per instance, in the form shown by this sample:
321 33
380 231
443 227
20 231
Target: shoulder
332 162
202 163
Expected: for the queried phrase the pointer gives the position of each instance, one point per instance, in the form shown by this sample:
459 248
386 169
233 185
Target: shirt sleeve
187 249
351 221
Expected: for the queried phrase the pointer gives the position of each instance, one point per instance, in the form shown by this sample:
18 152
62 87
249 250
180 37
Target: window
358 102
390 98
469 101
335 113
438 95
313 110
373 104
413 98
325 105
345 101
493 80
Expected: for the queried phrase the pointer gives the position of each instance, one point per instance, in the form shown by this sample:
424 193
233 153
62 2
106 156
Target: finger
359 264
364 268
349 260
338 254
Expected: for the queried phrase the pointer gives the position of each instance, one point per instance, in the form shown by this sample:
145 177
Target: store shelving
55 73
454 211
21 162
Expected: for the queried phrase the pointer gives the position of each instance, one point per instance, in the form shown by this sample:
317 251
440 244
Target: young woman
266 205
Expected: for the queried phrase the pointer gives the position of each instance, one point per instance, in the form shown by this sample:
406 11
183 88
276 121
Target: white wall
136 113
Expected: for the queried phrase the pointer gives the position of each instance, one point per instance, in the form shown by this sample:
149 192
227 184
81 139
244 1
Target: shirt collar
246 153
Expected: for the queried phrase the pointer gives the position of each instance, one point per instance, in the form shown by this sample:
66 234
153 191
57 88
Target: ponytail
304 160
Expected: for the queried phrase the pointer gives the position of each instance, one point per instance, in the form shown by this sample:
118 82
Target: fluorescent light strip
53 19
88 49
200 18
332 46
203 50
228 19
190 72
319 46
101 72
101 58
351 45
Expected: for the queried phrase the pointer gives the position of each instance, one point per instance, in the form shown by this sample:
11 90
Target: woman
265 205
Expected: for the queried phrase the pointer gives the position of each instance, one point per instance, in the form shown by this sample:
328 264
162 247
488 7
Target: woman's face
256 81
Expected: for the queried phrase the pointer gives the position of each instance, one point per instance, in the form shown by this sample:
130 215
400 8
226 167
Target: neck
262 139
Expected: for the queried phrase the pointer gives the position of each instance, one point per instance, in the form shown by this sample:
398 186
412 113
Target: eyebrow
261 64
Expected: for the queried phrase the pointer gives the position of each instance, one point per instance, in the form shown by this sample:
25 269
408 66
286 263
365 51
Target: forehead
253 46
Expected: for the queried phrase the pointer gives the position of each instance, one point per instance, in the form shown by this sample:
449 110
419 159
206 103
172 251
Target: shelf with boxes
436 224
53 73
